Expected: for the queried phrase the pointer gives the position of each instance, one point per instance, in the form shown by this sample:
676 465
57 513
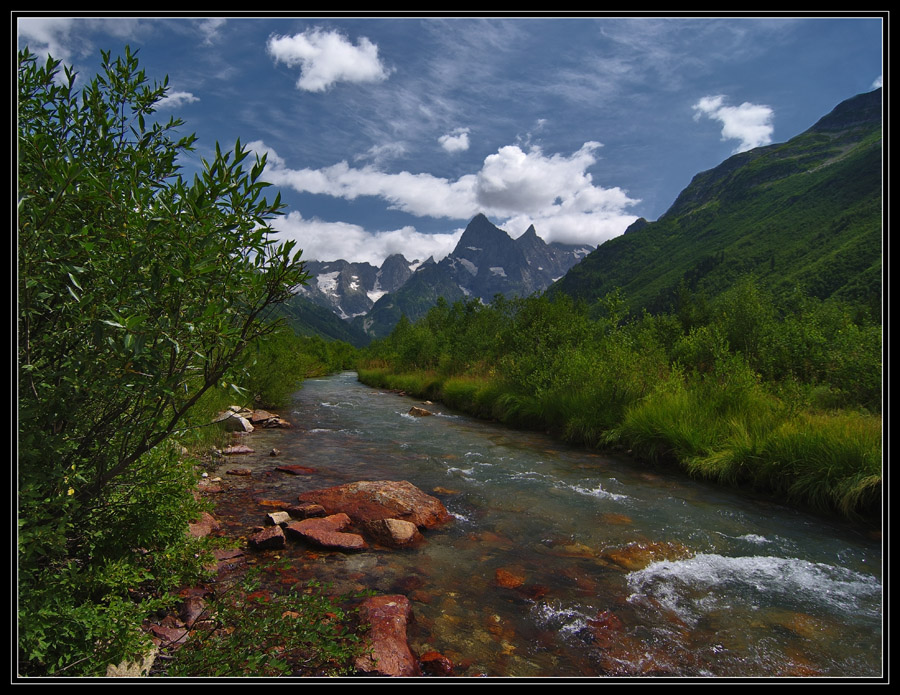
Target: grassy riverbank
790 413
829 462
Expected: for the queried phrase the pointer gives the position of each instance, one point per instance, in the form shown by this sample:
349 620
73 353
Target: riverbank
828 462
561 561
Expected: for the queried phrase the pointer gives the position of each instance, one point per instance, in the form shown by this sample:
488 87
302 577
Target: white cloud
456 140
417 194
327 57
513 187
328 241
378 154
48 35
173 100
877 83
210 29
749 123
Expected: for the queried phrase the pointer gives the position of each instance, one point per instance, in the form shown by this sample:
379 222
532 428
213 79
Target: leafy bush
138 293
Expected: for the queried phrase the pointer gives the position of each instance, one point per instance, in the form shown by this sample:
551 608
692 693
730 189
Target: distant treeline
781 397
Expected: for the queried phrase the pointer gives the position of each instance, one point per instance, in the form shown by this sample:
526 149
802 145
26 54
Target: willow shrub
138 293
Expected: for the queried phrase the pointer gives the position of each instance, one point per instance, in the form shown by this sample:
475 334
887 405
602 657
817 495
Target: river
570 563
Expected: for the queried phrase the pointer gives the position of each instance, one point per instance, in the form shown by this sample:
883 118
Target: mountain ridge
806 212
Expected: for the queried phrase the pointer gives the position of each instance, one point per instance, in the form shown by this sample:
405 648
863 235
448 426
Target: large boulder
388 652
367 501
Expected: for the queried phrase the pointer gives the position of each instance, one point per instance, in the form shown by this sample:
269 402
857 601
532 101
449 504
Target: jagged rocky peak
394 272
479 236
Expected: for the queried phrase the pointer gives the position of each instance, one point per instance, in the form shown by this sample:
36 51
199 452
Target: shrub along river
566 562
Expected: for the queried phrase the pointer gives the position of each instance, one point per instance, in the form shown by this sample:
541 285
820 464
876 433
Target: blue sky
388 134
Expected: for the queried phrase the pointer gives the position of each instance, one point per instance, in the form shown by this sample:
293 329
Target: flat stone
278 518
237 449
305 510
239 471
258 416
388 652
326 532
294 469
205 526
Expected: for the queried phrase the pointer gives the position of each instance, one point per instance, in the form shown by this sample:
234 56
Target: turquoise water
566 562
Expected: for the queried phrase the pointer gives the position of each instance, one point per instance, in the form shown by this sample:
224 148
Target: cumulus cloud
173 100
456 140
513 187
328 241
327 57
751 124
877 83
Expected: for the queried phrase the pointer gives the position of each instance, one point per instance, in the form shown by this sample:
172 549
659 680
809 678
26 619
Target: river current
564 562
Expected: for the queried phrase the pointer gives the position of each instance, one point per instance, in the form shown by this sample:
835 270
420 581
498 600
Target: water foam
709 581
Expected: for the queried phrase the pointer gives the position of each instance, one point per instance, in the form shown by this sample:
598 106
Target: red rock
534 591
636 556
370 500
305 510
191 609
296 470
326 533
167 635
258 416
205 526
507 579
271 538
387 653
606 628
435 664
273 503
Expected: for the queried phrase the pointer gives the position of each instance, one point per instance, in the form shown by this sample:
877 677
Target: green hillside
804 213
309 319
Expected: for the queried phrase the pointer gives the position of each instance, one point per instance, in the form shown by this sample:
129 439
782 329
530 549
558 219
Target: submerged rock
386 499
636 556
295 469
435 664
